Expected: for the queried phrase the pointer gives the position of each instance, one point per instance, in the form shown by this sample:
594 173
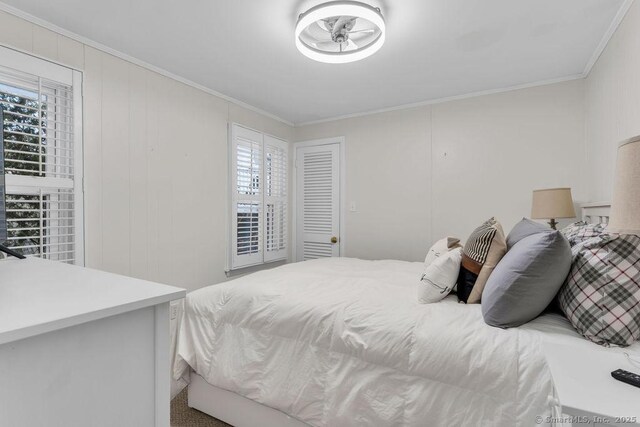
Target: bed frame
596 213
235 409
240 411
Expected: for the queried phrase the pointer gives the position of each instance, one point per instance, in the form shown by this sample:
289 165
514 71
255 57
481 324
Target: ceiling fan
340 31
341 28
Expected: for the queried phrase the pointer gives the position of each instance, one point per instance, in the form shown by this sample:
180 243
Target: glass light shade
625 208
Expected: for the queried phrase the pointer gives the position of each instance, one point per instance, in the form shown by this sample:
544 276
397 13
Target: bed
339 341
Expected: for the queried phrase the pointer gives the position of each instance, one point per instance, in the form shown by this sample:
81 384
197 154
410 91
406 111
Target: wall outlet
173 310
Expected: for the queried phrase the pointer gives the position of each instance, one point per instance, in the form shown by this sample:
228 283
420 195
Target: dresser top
39 296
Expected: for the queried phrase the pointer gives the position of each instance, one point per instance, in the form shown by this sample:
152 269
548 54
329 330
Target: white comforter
341 342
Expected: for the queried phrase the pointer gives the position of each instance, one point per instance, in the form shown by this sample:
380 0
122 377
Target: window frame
22 184
235 261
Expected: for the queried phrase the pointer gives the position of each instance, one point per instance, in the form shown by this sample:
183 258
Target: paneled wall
422 174
155 163
613 104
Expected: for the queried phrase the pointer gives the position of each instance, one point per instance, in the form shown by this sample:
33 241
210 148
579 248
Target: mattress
556 329
342 341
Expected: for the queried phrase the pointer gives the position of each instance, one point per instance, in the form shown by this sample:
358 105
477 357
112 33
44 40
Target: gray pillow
526 280
525 228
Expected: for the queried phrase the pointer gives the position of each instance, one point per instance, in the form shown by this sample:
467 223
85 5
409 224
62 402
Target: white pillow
440 277
441 247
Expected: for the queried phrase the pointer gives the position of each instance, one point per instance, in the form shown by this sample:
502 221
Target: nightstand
582 376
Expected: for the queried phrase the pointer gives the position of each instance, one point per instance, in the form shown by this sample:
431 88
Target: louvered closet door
318 202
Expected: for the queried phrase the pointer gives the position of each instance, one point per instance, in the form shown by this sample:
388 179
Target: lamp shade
552 203
625 208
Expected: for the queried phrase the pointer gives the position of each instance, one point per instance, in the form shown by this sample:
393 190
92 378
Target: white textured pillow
441 247
440 277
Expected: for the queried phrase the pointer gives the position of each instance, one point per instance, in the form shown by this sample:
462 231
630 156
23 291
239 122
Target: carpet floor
183 416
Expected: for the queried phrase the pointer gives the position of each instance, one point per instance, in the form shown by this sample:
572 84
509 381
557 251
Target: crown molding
88 42
615 24
617 20
99 46
446 99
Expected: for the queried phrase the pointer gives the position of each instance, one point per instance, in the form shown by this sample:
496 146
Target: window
258 198
40 103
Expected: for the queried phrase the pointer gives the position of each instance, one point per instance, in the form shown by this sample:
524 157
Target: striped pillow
484 249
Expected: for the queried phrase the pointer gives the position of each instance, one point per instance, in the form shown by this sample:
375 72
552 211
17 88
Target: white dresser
80 347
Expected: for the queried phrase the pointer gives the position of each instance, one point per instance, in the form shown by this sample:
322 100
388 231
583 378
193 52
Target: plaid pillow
601 296
580 231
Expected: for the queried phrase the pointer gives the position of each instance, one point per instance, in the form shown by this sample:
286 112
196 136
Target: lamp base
553 224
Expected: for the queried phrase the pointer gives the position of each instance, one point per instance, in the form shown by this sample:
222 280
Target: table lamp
625 208
552 203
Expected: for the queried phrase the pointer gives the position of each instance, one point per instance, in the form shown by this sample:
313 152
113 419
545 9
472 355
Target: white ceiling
435 48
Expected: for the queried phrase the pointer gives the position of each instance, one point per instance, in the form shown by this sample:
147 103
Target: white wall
490 152
418 175
613 103
388 176
155 163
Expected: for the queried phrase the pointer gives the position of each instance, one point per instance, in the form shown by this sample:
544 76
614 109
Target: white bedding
341 342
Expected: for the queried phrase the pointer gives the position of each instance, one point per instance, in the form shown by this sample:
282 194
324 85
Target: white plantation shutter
275 199
246 197
42 166
258 198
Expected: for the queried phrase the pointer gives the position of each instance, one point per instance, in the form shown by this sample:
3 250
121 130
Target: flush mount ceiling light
338 32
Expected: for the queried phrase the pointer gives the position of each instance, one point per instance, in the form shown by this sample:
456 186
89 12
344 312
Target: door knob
334 240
